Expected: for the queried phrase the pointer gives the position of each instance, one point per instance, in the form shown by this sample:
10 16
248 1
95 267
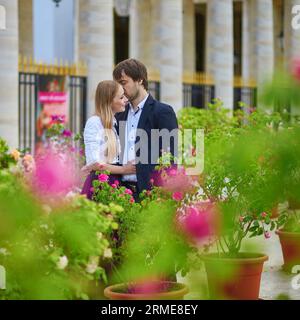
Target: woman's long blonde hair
105 93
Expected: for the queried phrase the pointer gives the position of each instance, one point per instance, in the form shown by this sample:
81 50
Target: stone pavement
275 283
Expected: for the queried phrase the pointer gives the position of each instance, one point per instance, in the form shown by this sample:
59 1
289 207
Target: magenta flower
114 186
175 179
92 189
54 174
128 191
103 177
67 133
199 221
177 196
117 182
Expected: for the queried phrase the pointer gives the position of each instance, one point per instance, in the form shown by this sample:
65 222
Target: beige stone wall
95 44
25 28
9 75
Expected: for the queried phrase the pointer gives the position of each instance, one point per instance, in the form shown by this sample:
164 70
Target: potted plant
232 181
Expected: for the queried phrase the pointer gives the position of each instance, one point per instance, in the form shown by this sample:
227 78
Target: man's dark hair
134 69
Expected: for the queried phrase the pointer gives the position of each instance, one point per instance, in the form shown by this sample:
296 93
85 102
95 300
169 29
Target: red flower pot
234 278
290 244
167 290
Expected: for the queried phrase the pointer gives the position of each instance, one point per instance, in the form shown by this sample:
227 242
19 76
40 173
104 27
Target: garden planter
168 291
290 244
234 278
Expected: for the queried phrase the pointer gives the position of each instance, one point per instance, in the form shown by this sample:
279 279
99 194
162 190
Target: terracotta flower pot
290 244
234 278
169 291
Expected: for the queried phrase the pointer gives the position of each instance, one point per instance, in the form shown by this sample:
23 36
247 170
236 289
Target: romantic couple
122 108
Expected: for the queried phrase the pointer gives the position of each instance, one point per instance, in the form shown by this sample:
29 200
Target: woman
102 146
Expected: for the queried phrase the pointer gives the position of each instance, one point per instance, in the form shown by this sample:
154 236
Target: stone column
291 42
220 48
247 47
189 52
96 39
25 28
155 36
264 40
291 36
140 30
171 53
9 75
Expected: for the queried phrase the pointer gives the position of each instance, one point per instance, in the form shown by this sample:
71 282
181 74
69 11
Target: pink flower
103 177
117 182
151 181
114 186
177 196
128 191
92 189
263 214
54 174
172 172
199 221
241 218
296 69
173 180
267 234
148 286
131 200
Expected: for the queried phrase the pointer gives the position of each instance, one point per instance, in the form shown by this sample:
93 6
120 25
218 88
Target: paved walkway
275 284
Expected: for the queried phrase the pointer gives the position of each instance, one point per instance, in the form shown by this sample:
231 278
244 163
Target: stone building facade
168 38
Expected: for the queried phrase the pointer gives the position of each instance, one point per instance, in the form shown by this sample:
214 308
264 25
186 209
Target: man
142 112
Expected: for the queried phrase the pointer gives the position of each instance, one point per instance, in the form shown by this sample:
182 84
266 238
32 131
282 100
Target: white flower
47 209
92 265
99 235
62 262
4 251
107 253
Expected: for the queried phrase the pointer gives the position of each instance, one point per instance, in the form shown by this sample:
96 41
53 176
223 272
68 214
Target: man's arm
167 120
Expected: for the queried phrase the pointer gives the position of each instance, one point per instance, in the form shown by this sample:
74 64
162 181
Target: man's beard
133 97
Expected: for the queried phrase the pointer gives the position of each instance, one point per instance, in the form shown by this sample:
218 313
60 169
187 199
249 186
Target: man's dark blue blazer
155 115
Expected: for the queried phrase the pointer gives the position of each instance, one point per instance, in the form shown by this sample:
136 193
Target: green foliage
62 251
6 159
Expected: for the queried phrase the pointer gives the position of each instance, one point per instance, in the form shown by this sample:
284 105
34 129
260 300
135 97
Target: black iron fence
193 94
197 95
247 95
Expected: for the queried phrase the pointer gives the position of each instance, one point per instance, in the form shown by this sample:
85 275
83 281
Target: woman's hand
129 168
91 167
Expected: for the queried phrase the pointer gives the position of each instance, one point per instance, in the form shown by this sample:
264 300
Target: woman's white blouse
94 141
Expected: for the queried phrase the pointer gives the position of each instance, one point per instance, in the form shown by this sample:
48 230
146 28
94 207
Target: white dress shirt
130 136
95 142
